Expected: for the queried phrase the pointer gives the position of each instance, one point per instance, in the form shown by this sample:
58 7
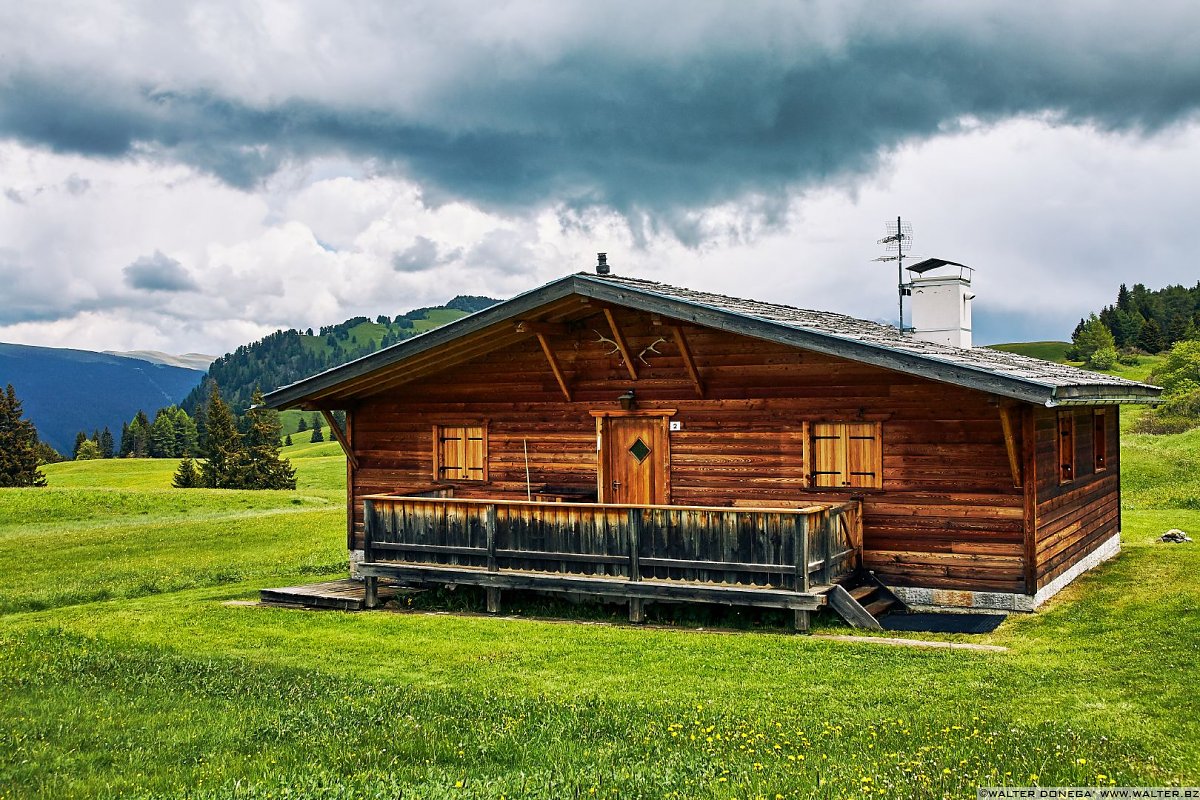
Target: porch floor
341 595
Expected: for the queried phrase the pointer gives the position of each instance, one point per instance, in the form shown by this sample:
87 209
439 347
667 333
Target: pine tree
126 441
317 436
1151 338
287 442
186 477
161 439
106 443
18 445
302 426
80 438
260 466
224 445
186 435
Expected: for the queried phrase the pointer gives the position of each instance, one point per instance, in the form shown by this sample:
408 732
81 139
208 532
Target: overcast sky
192 176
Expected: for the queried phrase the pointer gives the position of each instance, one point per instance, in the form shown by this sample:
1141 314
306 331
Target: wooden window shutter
829 454
1066 446
863 455
847 455
460 453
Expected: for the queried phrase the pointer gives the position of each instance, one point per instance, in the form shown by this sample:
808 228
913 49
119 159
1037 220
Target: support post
620 340
637 610
802 527
489 525
557 370
827 523
493 601
800 621
1010 443
689 362
371 592
340 435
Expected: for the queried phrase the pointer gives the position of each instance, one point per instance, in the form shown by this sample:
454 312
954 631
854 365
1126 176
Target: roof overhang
320 389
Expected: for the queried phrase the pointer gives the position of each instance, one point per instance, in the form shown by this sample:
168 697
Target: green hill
1050 351
287 356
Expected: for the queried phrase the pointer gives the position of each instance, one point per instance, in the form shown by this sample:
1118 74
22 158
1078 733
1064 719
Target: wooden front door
635 460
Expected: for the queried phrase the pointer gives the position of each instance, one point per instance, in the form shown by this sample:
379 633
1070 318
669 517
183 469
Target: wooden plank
558 373
850 610
542 328
621 345
340 435
689 360
653 590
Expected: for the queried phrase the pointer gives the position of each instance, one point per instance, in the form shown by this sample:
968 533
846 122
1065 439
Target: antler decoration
616 348
651 349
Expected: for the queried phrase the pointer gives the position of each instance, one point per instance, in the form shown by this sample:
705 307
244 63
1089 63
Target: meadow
132 666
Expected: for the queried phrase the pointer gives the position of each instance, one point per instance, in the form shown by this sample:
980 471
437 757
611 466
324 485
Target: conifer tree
302 426
260 466
186 477
317 436
80 438
88 451
287 442
106 443
18 445
1151 338
223 449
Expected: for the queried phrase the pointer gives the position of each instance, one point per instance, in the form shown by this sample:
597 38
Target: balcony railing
774 557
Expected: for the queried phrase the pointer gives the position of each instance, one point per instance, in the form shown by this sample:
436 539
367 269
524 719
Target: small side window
1100 439
1066 446
460 453
846 455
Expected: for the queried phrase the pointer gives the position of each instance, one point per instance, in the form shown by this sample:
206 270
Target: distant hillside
1049 351
66 391
198 361
287 356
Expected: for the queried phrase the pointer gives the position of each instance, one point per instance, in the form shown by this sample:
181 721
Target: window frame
844 454
439 430
1068 468
1100 440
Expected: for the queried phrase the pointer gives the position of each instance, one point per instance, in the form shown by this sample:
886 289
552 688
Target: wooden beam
545 328
620 340
1010 443
688 361
1029 440
340 435
558 374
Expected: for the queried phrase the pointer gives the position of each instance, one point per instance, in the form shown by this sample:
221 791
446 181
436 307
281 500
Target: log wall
1075 517
948 514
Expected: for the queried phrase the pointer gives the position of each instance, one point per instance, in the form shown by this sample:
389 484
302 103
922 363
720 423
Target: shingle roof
876 334
1005 374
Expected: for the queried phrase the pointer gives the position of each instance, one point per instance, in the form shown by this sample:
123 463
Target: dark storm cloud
651 136
158 273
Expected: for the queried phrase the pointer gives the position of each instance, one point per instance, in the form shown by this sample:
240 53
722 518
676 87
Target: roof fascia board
829 344
291 395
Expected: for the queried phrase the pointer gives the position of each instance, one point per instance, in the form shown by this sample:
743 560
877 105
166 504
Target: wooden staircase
861 600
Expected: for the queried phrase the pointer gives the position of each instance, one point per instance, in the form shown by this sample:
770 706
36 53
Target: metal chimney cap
601 263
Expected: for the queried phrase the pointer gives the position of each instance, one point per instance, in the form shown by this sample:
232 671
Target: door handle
616 485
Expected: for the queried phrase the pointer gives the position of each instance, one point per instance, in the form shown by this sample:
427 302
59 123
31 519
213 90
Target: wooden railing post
637 612
370 526
489 525
827 534
801 550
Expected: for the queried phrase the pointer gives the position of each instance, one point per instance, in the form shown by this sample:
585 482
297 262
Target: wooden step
879 607
860 593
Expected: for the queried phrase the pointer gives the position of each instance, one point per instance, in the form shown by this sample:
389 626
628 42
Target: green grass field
125 673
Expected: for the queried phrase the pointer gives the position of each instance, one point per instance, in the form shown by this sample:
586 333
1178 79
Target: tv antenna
899 241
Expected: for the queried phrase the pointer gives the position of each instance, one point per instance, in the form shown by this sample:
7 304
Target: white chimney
941 302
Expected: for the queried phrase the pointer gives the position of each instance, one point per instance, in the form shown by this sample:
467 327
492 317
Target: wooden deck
343 595
769 557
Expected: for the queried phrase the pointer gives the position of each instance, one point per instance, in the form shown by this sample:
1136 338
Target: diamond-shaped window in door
639 450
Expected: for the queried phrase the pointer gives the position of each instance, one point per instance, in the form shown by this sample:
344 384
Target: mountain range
65 391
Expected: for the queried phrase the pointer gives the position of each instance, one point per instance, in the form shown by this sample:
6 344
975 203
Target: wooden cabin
617 437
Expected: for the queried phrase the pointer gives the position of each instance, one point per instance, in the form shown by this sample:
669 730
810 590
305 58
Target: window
460 453
847 454
1066 446
1100 440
